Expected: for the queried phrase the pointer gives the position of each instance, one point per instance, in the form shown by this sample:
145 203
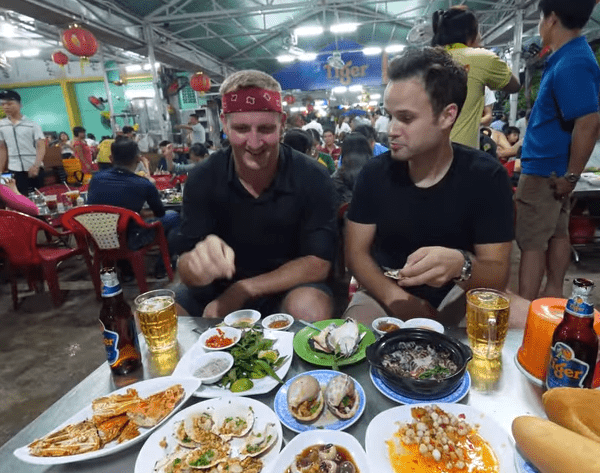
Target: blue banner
318 74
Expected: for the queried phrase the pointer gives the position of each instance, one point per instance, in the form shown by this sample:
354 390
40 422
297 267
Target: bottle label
111 344
565 370
579 307
111 291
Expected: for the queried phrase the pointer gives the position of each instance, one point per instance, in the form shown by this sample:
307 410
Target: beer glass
157 316
51 203
73 196
487 322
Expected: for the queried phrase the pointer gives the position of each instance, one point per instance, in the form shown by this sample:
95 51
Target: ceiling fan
335 60
421 34
97 102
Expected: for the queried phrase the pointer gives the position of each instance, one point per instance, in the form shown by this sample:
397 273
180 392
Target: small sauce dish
211 367
245 318
384 325
428 324
220 338
278 322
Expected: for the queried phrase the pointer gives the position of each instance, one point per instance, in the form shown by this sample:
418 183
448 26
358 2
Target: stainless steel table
500 390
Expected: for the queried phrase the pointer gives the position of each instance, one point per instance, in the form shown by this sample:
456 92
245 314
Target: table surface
503 394
583 189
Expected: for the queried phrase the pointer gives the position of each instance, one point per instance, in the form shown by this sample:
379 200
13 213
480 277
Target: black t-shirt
294 217
472 204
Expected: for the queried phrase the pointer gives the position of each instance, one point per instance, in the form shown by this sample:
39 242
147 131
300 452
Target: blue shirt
379 149
571 82
122 188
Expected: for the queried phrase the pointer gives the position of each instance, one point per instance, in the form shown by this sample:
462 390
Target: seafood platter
334 342
320 399
112 423
224 435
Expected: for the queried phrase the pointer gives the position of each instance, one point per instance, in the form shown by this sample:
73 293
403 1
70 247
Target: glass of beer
73 196
157 316
487 322
51 203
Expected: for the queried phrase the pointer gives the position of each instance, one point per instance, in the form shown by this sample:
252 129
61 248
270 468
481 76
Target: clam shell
237 465
165 465
341 396
305 389
182 436
199 422
345 339
206 456
259 442
235 421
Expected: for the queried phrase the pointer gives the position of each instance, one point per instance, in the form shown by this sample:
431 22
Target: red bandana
252 99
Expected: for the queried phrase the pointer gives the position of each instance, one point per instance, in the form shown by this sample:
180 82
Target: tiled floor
47 351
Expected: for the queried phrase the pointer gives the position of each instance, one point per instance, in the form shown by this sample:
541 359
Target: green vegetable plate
304 351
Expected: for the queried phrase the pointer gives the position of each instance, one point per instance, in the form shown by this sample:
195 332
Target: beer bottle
574 343
118 326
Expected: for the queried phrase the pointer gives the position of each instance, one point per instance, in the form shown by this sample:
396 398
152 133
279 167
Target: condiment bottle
118 326
574 346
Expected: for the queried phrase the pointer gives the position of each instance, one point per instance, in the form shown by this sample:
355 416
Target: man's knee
308 303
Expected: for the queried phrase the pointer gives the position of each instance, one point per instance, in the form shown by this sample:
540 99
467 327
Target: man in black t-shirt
438 211
259 219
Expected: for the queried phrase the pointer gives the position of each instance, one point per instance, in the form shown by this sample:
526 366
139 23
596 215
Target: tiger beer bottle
574 344
118 326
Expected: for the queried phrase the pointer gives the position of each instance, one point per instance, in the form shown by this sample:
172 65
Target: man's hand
210 259
431 265
234 298
562 187
168 152
33 171
411 308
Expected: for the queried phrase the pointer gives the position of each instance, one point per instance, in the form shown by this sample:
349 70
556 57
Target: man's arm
184 127
513 85
486 119
40 151
585 134
3 156
359 239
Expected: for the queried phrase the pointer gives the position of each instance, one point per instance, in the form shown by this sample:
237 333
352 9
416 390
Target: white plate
459 393
152 451
522 465
326 420
144 389
283 344
314 437
384 426
225 331
591 177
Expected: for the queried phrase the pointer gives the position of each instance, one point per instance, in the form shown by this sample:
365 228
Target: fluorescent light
308 31
30 52
319 103
133 68
355 88
308 57
295 109
344 28
139 94
7 30
284 103
12 53
339 89
146 66
286 58
372 51
394 48
373 103
375 96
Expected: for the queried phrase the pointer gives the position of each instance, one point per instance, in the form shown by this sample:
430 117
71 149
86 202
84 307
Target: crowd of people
423 180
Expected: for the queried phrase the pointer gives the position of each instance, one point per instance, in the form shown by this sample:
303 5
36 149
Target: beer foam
155 304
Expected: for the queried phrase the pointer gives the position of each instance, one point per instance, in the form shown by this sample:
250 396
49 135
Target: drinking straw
68 188
38 191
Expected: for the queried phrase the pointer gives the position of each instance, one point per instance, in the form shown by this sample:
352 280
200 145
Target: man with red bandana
259 220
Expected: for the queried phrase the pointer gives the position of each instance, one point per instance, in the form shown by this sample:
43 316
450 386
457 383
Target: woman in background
356 151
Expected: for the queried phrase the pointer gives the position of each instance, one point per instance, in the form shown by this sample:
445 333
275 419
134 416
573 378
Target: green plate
304 351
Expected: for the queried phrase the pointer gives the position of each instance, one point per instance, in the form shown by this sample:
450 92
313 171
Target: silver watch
465 273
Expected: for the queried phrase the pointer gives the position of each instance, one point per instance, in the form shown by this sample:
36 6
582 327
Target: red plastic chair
510 167
18 239
105 228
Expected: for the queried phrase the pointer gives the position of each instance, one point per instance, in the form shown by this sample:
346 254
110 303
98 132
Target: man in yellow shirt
104 158
458 30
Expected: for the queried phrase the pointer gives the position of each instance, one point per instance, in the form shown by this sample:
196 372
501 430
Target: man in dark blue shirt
121 187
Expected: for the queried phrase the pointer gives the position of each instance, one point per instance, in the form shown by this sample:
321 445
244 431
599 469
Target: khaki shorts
540 216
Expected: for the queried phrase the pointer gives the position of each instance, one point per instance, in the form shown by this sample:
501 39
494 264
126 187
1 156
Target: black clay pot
460 354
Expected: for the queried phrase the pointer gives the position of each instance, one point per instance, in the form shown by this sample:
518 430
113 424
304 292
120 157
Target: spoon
308 324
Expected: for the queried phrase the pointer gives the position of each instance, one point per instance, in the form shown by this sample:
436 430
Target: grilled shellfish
305 398
343 339
259 442
341 396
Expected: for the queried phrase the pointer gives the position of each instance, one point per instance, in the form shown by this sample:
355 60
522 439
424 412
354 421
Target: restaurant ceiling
220 36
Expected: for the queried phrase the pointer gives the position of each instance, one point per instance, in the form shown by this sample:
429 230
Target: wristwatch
465 273
572 178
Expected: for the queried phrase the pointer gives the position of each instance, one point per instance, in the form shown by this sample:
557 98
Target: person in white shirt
521 123
342 127
381 122
314 124
22 144
197 132
488 106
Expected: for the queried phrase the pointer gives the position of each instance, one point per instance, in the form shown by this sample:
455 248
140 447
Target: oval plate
304 351
326 420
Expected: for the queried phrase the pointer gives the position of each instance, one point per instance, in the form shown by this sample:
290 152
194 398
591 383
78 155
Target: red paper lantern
290 99
79 41
200 82
60 58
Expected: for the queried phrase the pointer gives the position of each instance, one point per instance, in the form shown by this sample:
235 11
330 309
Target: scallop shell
182 436
235 421
259 442
207 456
166 464
341 396
199 422
237 465
305 389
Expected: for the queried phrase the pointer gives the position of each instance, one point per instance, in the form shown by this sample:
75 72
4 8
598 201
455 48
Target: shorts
540 216
195 299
